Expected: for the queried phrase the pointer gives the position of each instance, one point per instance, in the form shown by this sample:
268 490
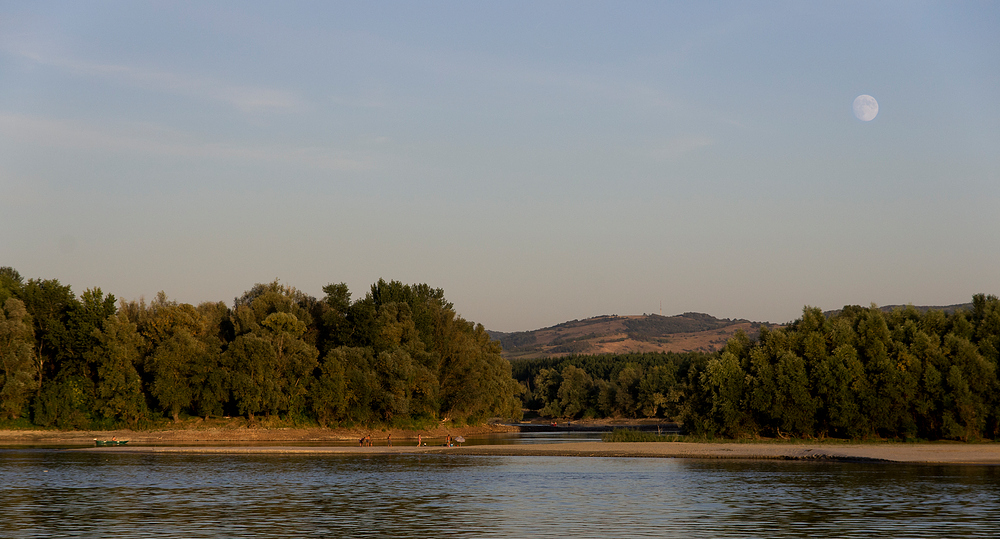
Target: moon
865 107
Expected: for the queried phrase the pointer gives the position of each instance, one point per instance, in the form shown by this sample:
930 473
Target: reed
630 435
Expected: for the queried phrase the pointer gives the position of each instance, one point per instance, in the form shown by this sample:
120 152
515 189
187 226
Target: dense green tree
296 359
182 369
11 283
547 383
835 381
605 398
269 361
119 394
208 375
628 382
19 369
64 333
254 375
575 391
332 313
399 352
328 391
968 384
50 304
65 402
361 383
172 365
726 383
476 382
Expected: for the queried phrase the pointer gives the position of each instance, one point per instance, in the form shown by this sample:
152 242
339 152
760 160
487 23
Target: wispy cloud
361 102
678 146
153 140
243 97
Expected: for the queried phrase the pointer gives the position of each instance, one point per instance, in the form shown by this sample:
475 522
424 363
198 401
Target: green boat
102 443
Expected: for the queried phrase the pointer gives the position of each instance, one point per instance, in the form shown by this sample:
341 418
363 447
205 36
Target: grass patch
629 435
21 423
415 423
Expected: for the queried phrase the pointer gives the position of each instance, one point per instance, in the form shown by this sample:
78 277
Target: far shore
313 442
242 435
921 453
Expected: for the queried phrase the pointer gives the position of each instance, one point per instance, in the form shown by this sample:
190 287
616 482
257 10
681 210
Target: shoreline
240 435
236 430
320 441
927 453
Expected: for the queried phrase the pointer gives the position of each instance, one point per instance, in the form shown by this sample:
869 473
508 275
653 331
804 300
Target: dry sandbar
912 453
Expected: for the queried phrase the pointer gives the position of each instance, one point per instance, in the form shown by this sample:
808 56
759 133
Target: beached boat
102 443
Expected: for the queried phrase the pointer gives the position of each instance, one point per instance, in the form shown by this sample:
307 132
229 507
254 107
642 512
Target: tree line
858 373
400 353
606 385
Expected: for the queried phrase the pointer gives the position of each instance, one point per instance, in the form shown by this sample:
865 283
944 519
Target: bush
629 435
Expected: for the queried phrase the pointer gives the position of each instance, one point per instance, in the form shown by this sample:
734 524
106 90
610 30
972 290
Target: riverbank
919 453
242 439
234 430
241 435
914 453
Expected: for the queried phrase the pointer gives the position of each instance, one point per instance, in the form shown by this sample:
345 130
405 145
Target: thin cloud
153 140
363 102
678 146
245 98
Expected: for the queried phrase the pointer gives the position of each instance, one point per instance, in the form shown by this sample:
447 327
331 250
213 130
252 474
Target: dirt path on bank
925 453
239 435
312 441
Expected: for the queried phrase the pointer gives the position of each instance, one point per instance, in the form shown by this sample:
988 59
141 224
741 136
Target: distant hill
622 334
920 308
613 334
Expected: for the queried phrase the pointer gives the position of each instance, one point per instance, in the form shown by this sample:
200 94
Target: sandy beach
241 435
284 441
924 453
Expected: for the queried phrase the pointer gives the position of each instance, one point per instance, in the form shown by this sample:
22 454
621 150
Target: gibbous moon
865 107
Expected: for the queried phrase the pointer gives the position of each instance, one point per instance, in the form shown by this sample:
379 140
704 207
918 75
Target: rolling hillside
613 334
620 334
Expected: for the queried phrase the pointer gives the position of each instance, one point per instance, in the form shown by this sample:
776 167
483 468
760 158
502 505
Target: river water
58 493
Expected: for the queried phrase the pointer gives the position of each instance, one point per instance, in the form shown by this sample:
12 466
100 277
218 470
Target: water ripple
66 494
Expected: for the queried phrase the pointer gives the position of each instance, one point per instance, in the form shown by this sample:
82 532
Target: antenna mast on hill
661 307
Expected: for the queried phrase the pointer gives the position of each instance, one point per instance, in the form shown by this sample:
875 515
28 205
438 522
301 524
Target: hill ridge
612 333
617 334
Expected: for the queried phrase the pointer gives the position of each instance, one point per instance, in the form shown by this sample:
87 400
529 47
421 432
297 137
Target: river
59 493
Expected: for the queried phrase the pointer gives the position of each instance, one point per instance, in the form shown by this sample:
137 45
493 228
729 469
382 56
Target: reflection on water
535 438
46 493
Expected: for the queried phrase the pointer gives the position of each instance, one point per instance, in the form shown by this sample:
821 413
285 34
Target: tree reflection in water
60 493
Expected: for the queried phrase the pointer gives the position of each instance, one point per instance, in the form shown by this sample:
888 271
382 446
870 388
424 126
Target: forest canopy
399 353
402 354
859 372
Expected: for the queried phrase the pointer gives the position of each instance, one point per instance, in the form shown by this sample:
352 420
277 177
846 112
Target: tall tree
10 283
574 392
119 387
19 369
269 361
173 365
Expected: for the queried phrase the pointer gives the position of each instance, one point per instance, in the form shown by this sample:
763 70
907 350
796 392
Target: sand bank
240 435
923 453
314 441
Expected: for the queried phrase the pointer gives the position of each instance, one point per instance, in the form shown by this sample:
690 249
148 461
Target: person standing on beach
418 440
388 440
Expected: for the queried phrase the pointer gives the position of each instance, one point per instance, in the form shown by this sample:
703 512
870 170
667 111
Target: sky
539 161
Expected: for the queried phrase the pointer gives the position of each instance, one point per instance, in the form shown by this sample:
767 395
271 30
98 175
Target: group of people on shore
366 441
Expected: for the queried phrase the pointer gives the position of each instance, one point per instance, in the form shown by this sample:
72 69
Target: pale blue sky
540 161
